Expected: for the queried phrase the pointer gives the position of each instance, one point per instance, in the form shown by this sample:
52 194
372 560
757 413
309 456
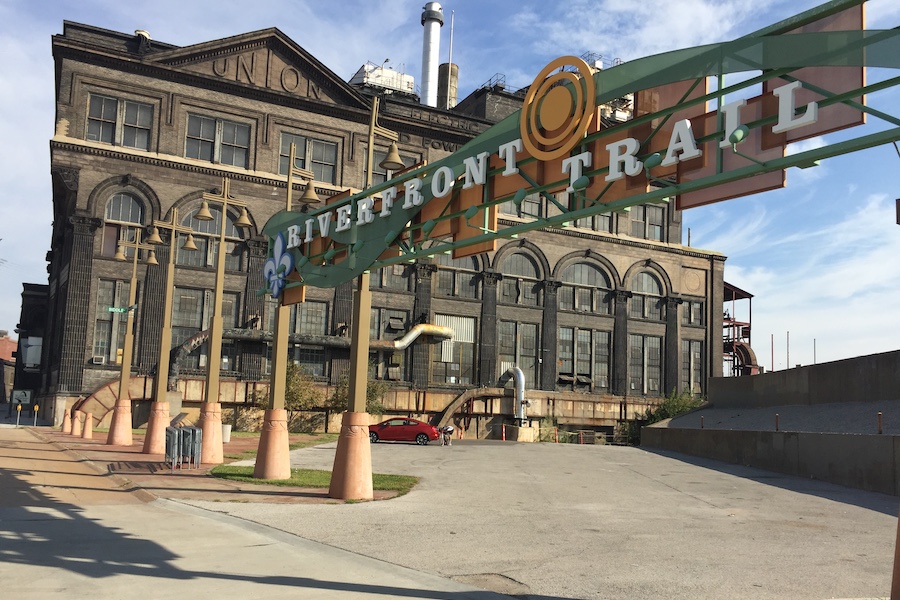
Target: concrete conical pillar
273 459
155 440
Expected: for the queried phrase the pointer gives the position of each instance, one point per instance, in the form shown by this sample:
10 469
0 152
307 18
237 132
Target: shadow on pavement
874 501
37 530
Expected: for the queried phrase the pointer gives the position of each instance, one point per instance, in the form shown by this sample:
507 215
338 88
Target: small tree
375 391
300 390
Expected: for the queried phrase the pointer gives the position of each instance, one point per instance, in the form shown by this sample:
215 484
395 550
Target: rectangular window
532 207
602 355
388 324
311 317
519 348
584 359
205 256
645 364
601 222
120 122
648 222
692 366
392 277
187 320
310 359
104 320
692 313
314 155
566 353
217 140
109 327
306 318
454 359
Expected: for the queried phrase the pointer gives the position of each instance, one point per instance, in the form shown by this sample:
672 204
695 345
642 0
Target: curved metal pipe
519 383
411 335
179 353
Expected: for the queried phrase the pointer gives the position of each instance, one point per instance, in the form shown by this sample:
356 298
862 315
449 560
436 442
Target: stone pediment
263 59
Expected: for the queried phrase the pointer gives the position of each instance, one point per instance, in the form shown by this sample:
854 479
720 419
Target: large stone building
609 311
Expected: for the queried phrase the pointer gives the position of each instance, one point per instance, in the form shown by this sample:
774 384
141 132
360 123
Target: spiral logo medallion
558 109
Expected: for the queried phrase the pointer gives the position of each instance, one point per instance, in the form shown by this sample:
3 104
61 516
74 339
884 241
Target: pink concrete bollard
87 432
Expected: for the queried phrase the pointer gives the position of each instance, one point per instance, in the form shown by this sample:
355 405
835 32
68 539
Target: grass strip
314 440
313 478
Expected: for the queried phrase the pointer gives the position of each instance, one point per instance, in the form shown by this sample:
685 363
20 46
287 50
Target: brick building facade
611 306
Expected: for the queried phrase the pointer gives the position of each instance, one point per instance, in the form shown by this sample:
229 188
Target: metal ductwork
518 378
181 352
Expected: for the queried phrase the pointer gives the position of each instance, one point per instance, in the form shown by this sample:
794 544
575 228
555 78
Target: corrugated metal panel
463 327
463 331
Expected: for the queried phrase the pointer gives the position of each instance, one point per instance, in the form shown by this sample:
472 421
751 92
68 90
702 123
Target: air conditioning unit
98 360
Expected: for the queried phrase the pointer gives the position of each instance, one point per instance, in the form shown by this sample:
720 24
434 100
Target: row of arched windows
586 286
125 214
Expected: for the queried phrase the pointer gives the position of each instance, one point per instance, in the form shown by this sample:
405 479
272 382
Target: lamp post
351 475
273 460
120 426
155 440
211 410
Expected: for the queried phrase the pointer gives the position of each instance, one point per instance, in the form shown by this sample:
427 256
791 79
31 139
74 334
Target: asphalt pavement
534 521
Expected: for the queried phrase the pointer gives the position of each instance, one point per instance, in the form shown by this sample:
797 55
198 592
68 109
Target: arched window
646 300
124 215
585 288
206 237
457 277
520 284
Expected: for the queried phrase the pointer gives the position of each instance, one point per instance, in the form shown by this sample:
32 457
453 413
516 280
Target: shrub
676 403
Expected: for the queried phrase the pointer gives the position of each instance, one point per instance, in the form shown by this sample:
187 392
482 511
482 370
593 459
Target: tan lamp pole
211 451
120 426
273 459
351 475
155 440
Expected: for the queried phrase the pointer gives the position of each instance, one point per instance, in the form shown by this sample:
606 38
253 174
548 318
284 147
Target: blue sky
822 256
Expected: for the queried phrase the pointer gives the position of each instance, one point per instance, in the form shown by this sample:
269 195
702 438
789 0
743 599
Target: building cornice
620 240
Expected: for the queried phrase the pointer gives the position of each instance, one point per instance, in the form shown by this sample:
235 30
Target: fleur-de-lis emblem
278 267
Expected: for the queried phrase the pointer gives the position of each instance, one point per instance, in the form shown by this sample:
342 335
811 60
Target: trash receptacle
226 433
191 443
173 446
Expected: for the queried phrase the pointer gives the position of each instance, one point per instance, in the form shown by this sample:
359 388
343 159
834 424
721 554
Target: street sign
121 309
21 397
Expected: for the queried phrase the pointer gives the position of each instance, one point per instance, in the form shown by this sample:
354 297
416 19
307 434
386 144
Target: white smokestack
432 20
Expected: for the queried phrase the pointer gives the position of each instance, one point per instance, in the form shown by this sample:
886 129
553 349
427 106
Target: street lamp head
203 214
154 236
392 162
120 253
309 194
189 243
151 258
243 220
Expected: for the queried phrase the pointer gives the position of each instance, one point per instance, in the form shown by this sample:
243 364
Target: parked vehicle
403 430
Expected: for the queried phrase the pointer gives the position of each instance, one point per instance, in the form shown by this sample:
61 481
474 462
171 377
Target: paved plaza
534 521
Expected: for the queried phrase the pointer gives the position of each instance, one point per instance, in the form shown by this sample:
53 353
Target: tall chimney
432 20
448 85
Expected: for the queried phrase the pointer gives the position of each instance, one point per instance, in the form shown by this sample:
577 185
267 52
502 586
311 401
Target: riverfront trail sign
811 69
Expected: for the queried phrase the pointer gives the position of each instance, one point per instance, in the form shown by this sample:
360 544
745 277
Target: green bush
676 403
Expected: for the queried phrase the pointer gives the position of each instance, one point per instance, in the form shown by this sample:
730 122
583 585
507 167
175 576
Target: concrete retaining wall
861 379
867 462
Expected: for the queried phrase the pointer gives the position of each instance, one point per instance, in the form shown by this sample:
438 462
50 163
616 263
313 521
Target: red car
403 430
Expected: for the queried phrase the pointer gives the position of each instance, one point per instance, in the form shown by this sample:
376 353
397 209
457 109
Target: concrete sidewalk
150 475
69 528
